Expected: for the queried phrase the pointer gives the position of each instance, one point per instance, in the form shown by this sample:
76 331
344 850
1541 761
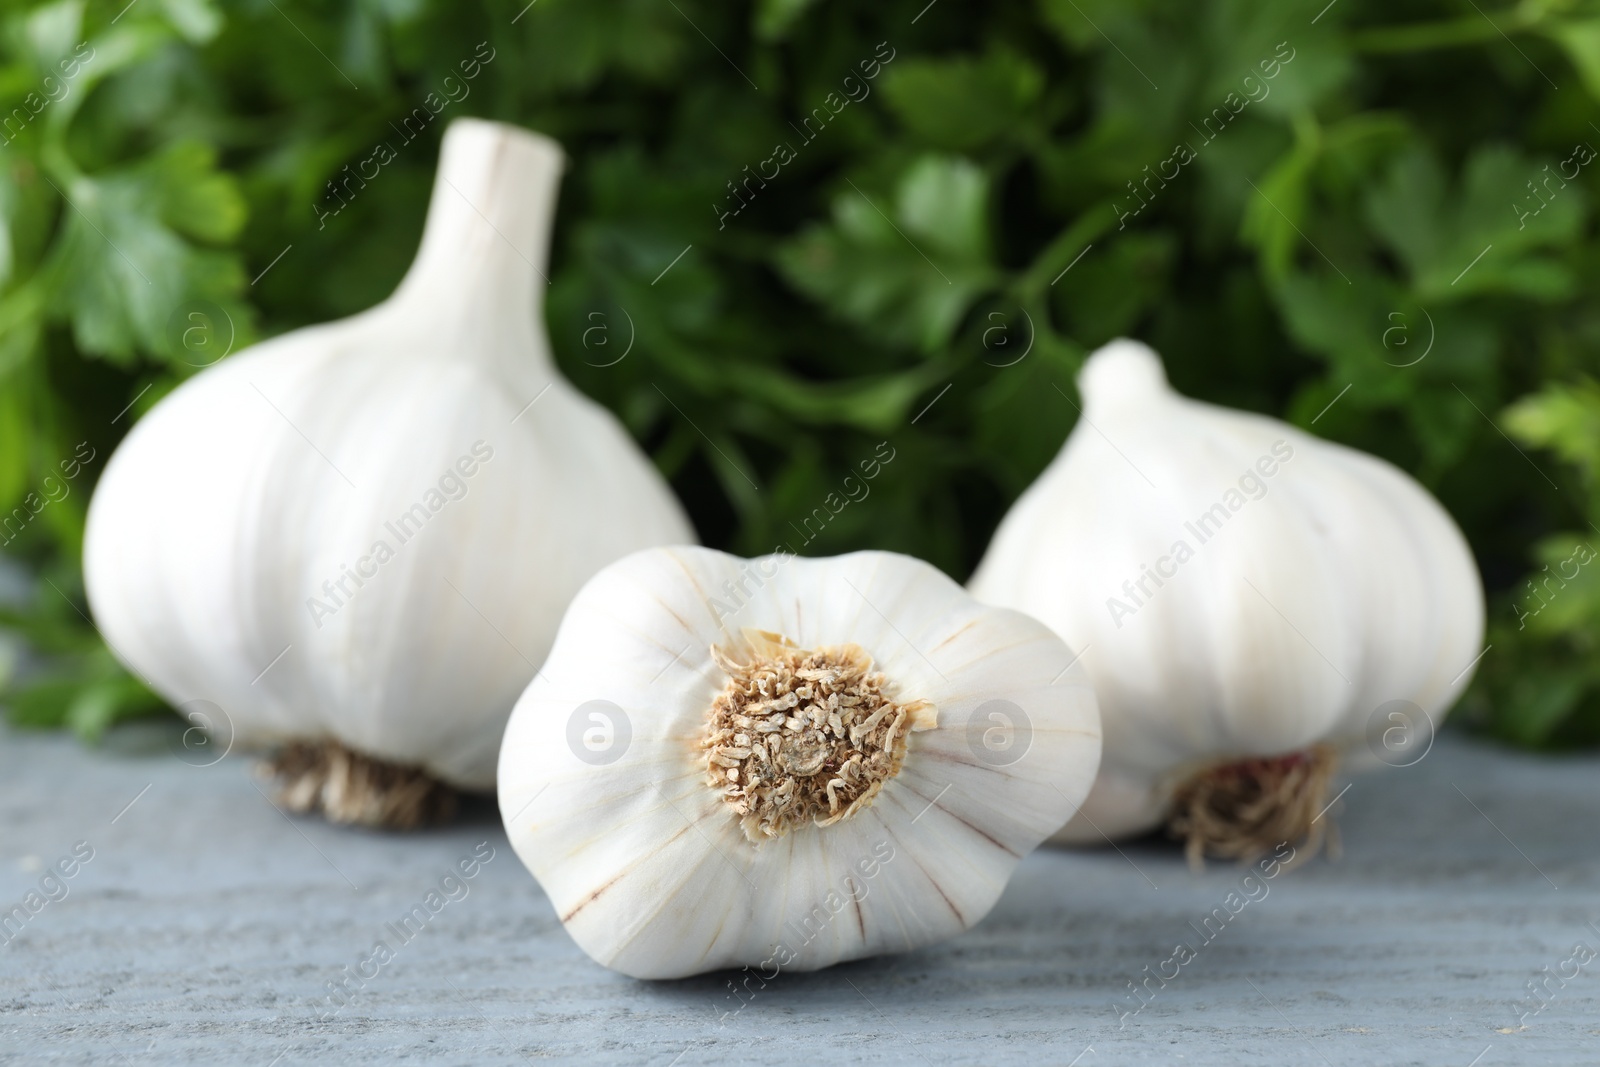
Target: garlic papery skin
631 788
365 533
1239 589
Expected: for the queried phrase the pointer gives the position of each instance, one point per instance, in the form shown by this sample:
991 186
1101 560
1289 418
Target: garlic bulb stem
485 243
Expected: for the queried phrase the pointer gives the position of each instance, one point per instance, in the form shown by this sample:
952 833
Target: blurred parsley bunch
796 232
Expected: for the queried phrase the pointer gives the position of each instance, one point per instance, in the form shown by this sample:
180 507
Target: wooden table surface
207 926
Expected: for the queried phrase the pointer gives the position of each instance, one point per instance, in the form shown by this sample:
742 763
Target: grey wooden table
208 927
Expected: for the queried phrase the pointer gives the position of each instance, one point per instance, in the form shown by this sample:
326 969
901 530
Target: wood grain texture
208 925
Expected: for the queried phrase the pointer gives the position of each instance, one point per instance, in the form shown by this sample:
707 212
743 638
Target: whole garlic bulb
784 763
1254 604
361 536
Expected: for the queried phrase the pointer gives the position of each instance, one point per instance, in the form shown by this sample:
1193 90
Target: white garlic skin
1379 596
646 864
230 503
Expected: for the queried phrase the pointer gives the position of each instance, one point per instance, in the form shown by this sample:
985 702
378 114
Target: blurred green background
1385 208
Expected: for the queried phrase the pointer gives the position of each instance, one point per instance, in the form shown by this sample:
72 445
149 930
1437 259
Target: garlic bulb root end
803 736
1246 808
348 787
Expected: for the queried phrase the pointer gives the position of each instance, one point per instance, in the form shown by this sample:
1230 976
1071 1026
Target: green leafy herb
798 235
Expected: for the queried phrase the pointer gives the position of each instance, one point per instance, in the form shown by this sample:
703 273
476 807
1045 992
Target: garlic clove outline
1279 591
232 554
653 870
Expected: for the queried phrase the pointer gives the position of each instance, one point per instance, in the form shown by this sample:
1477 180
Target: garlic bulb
357 539
1254 605
785 762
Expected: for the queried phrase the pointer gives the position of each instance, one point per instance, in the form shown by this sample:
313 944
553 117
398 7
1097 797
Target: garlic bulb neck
800 737
1123 374
484 245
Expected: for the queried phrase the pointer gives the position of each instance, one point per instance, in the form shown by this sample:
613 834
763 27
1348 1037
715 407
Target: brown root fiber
347 787
1245 809
803 737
